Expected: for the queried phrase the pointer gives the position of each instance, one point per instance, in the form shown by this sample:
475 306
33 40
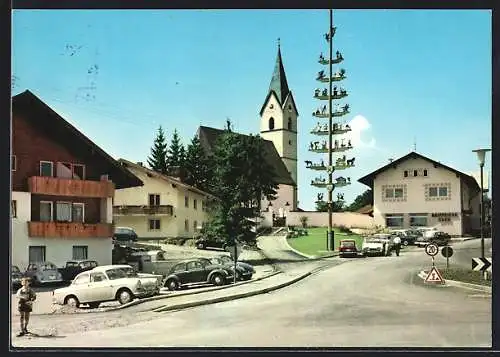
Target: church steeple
278 82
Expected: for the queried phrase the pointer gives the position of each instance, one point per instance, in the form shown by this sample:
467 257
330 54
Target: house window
154 224
154 199
393 193
394 220
186 201
46 211
36 253
195 226
415 173
46 168
14 162
64 170
289 142
78 213
289 123
418 220
271 106
80 252
186 225
425 172
202 205
271 123
389 193
443 191
405 173
433 191
195 204
13 209
289 107
64 211
79 172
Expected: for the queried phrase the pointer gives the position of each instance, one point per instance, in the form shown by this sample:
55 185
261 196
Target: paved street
361 302
463 252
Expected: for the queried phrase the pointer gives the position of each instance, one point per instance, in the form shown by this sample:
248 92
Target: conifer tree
176 152
196 165
157 161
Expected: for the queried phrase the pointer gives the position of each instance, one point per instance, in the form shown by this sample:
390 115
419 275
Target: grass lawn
315 242
464 275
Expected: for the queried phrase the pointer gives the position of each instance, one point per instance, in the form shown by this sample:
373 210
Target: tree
364 199
196 165
337 206
175 154
157 161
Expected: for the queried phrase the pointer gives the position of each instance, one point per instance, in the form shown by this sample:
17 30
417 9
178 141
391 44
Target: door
196 272
100 287
80 287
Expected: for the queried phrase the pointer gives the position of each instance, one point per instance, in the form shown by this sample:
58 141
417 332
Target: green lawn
315 242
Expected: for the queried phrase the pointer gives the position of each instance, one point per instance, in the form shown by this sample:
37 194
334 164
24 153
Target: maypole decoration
333 130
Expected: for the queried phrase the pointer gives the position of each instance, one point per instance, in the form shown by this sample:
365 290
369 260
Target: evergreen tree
196 165
157 161
364 199
175 155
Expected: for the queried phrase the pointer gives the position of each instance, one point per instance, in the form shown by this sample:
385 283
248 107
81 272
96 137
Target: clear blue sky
414 74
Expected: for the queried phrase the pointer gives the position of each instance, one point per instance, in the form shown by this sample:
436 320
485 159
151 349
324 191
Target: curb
231 297
422 274
296 251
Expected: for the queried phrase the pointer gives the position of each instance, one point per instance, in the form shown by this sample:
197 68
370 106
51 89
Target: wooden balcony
69 230
128 210
68 187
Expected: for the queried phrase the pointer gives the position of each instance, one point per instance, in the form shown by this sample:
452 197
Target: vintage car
16 276
408 237
124 235
107 283
348 248
198 271
75 267
244 271
374 245
204 243
43 273
436 237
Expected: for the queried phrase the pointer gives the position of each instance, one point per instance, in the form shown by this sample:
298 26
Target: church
278 127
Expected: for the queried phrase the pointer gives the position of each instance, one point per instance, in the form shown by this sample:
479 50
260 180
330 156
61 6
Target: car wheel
238 276
248 277
124 296
172 284
217 279
405 243
94 305
200 246
72 301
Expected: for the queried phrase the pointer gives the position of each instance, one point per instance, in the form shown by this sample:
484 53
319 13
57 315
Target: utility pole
330 186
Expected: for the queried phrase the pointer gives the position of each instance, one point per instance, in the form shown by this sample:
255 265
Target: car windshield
48 266
71 264
205 262
225 259
129 272
347 244
116 273
15 269
373 240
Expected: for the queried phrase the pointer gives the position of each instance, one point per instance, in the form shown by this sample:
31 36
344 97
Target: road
371 302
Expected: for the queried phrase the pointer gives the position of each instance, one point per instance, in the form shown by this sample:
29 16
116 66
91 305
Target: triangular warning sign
434 276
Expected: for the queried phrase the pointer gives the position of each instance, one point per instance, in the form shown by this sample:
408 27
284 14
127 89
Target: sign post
447 252
234 251
434 276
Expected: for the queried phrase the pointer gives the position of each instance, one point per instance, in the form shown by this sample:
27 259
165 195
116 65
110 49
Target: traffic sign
447 252
234 251
434 276
431 249
481 264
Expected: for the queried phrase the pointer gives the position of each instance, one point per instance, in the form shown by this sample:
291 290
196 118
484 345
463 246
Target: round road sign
447 252
431 249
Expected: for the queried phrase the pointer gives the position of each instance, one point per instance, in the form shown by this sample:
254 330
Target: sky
416 78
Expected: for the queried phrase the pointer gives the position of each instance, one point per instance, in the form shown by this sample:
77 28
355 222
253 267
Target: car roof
106 267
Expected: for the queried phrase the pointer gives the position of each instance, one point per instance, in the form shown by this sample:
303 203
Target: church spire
278 82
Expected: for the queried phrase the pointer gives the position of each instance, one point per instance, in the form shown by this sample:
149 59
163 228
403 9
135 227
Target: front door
100 287
196 273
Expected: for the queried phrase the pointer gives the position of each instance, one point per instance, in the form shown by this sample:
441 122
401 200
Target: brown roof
368 179
208 137
45 119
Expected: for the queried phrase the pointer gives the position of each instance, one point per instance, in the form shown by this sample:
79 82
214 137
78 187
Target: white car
374 246
107 283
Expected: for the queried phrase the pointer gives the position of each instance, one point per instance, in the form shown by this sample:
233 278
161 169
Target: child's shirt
26 294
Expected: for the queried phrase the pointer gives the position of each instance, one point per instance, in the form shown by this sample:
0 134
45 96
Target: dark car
16 277
244 271
204 243
124 234
348 248
75 267
408 237
196 271
439 238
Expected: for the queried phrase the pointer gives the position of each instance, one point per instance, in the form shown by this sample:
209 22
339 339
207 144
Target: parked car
439 238
374 245
347 248
16 277
204 243
244 271
43 273
124 234
75 267
408 237
197 271
106 283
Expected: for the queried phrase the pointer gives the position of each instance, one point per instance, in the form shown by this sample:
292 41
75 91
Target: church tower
278 120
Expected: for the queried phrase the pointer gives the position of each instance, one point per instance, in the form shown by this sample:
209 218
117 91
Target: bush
344 229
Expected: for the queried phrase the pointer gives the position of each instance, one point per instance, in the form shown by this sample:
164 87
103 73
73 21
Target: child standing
26 296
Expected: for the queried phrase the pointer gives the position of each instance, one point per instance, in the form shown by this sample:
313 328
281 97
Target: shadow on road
40 335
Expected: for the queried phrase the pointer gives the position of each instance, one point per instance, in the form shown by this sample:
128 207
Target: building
286 185
62 188
278 124
417 191
163 207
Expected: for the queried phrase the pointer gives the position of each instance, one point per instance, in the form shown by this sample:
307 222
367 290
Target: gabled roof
170 179
208 136
45 119
368 179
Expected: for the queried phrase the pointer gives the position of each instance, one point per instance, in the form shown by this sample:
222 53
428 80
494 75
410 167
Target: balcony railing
69 230
68 187
143 210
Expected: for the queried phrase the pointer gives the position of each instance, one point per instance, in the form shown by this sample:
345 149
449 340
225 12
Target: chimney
391 160
140 163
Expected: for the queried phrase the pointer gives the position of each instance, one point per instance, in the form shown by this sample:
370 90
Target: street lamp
481 154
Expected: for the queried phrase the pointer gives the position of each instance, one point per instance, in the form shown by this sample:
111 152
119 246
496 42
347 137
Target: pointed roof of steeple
278 82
